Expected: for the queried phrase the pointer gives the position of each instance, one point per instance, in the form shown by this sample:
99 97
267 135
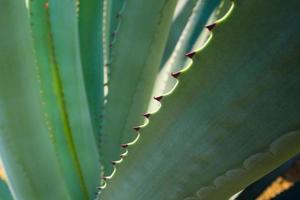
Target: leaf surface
25 146
137 52
233 117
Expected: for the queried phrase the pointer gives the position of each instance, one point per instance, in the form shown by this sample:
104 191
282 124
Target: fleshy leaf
233 117
90 32
192 32
137 53
25 146
66 43
54 101
188 24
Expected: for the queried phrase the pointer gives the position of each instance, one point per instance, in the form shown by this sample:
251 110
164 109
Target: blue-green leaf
137 53
25 145
233 117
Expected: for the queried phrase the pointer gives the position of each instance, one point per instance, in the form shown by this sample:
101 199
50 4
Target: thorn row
175 75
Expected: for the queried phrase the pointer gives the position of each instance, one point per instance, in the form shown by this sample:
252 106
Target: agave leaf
182 14
64 33
106 15
111 21
112 12
117 9
54 100
138 50
193 31
233 117
25 146
90 31
187 27
198 40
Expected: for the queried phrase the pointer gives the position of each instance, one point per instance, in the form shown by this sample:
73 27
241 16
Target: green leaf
117 8
65 36
138 50
90 31
25 146
193 31
111 22
187 27
55 109
233 117
106 17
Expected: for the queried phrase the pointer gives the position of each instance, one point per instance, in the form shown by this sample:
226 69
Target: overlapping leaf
233 117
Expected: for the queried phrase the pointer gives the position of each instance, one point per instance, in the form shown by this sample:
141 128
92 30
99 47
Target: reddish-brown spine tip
190 54
124 145
159 98
104 178
136 128
113 162
147 115
175 74
210 27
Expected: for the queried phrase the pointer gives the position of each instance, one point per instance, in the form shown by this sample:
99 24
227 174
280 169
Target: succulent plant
77 117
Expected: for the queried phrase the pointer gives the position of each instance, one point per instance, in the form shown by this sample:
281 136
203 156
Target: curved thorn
147 115
175 74
190 54
210 27
136 128
158 98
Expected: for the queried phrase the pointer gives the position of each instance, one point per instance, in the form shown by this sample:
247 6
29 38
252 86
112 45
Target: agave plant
77 117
